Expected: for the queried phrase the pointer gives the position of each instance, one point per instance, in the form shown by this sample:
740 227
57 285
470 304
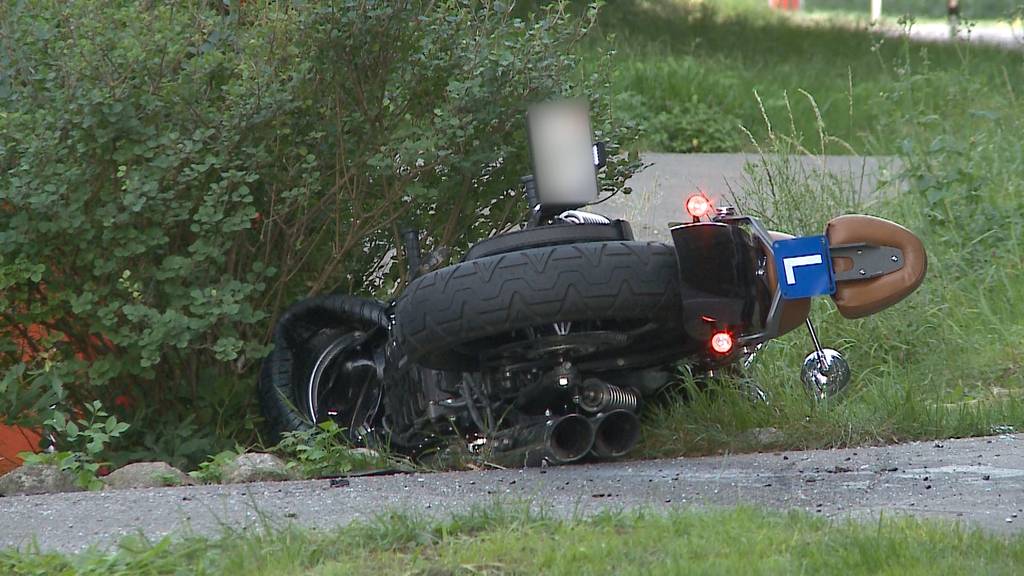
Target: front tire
302 335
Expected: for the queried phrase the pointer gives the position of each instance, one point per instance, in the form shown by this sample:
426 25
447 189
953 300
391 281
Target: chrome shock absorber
598 396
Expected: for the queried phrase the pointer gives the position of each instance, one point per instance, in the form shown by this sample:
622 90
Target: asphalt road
978 481
1003 34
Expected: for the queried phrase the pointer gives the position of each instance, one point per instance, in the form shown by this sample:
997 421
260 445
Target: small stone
365 453
764 436
37 479
257 467
146 475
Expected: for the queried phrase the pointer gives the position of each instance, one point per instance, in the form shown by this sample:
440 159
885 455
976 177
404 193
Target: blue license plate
804 267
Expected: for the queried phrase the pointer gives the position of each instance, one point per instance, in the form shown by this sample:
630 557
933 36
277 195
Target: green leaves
82 443
25 395
169 181
324 451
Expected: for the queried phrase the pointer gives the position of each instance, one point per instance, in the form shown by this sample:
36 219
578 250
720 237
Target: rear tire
491 296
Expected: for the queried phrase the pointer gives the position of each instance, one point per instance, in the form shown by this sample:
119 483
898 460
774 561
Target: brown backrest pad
857 298
794 312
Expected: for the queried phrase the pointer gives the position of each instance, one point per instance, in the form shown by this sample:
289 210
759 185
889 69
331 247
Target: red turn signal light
722 342
698 206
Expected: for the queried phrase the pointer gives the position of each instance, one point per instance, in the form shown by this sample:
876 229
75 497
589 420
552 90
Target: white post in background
876 11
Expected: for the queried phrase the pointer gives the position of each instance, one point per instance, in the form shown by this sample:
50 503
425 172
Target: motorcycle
543 344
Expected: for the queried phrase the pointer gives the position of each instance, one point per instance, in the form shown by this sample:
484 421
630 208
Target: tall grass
688 71
948 360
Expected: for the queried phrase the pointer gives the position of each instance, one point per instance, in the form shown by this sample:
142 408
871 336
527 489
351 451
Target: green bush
84 441
174 174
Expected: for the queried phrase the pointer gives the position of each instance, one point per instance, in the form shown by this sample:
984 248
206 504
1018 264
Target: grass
689 71
944 363
513 540
733 77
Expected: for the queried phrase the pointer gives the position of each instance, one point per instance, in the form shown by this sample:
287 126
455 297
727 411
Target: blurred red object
785 4
14 439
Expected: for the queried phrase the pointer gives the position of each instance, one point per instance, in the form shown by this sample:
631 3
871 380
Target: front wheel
321 366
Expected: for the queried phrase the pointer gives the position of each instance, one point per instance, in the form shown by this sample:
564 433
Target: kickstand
822 362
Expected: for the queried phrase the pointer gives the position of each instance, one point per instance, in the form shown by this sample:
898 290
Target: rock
765 436
37 479
146 475
367 453
257 467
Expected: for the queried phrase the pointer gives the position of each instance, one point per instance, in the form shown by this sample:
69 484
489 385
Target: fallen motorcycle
543 344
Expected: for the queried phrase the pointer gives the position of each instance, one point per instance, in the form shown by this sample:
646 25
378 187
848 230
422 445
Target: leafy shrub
25 394
81 444
324 451
211 470
173 174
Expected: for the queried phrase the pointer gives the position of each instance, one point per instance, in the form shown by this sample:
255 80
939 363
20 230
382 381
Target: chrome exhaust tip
615 433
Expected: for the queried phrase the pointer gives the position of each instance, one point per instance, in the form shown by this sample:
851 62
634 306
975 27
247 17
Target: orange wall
12 441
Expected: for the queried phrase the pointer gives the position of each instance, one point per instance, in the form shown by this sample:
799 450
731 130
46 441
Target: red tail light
698 206
722 342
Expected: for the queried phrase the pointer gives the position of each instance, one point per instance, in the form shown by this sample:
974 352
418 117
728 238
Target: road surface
660 190
978 481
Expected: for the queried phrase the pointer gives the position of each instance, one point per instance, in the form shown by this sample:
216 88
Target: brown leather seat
858 298
794 312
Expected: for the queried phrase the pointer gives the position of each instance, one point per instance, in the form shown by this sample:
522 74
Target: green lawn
689 72
732 76
501 540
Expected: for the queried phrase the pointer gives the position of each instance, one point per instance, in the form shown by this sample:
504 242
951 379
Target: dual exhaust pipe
569 438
